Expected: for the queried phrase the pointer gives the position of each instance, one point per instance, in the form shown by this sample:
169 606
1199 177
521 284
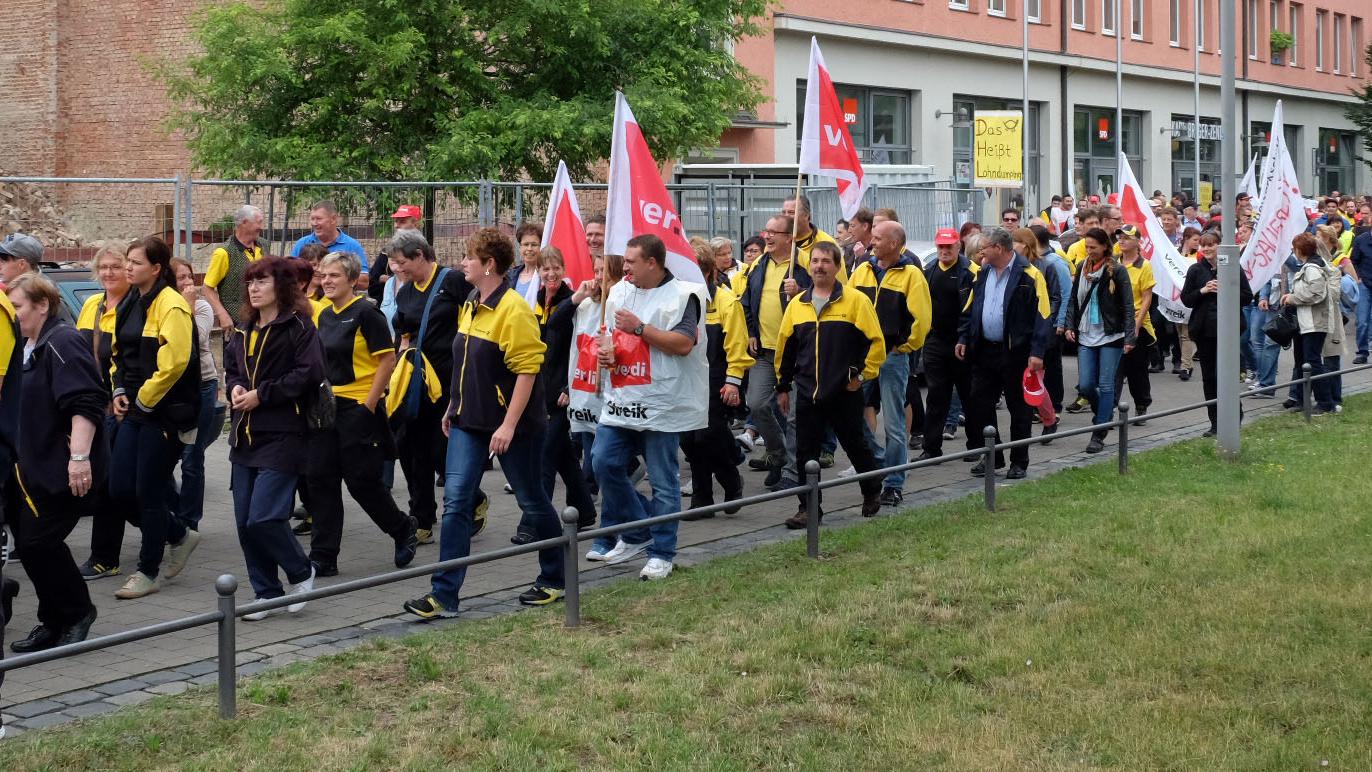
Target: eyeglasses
778 233
1009 219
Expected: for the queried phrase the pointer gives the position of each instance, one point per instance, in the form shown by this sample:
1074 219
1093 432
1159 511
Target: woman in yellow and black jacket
712 451
496 409
155 373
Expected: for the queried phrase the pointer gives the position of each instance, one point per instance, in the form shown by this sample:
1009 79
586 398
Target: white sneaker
760 441
688 487
849 472
303 587
258 616
657 568
745 442
179 554
624 552
596 555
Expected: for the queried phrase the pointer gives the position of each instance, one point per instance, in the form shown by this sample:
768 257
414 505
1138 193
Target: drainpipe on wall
1064 107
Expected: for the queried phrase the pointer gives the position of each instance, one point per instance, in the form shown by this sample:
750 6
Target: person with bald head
893 279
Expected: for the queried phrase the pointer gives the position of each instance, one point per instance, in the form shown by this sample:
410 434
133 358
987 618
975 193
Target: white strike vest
584 401
649 389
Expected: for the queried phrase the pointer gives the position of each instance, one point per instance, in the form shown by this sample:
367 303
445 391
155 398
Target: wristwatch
639 329
861 378
80 457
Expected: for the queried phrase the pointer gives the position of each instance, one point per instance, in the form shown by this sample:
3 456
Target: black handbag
1282 328
321 410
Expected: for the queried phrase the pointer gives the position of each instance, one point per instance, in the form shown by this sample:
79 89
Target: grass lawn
1195 614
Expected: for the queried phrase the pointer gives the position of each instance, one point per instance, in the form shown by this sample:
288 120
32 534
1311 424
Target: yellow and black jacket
155 357
497 340
96 324
11 370
1026 309
354 338
819 354
901 298
284 362
726 335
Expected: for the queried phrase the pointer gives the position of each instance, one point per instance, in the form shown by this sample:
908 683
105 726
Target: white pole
1024 117
1227 358
1195 118
1119 94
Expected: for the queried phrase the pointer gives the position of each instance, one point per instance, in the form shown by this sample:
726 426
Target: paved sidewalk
100 681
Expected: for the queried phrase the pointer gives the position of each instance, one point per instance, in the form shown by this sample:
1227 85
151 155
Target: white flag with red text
562 228
638 200
826 146
1169 267
1282 216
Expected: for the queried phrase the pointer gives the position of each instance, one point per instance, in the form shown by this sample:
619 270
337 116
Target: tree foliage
453 89
1361 113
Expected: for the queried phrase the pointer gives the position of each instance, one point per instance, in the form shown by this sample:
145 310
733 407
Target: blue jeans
615 448
1334 364
464 467
1364 317
895 372
954 413
262 503
1265 351
142 460
190 505
1096 367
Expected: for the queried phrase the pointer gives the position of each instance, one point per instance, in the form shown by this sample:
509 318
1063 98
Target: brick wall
28 86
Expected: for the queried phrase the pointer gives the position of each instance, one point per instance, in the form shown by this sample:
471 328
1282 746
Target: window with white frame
1079 14
1034 10
1199 7
1274 18
1295 31
958 5
1107 17
1338 43
1321 20
1252 14
1174 27
1355 46
1136 19
995 7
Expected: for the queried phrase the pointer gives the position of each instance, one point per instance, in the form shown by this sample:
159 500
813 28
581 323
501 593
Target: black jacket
1115 296
1027 309
1205 307
142 324
61 380
555 321
284 365
752 292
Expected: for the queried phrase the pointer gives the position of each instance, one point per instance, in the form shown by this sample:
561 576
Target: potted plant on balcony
1281 42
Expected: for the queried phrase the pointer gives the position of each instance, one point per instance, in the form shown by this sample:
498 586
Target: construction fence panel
74 217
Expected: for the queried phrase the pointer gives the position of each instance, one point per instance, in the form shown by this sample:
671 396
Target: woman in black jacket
273 363
1200 294
63 397
1100 320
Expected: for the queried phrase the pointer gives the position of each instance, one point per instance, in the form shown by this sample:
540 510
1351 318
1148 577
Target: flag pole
795 251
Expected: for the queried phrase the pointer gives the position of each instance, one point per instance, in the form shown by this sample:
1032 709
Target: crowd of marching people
337 364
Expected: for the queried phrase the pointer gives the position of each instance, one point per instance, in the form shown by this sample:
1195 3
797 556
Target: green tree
453 89
1361 112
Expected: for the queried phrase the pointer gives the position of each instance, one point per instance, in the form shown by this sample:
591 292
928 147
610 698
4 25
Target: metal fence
72 215
226 614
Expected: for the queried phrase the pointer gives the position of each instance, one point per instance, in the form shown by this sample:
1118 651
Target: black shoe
759 465
40 638
407 545
8 591
891 497
540 596
586 521
1017 472
523 537
1176 368
784 484
916 441
1097 443
1290 404
91 570
300 514
1143 411
698 502
79 630
1185 375
324 569
733 496
980 469
1049 431
927 455
1080 406
773 476
871 504
1208 433
1156 368
303 527
1360 359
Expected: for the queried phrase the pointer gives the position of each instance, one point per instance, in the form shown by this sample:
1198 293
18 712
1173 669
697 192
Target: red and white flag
1282 216
563 229
638 201
1169 267
826 147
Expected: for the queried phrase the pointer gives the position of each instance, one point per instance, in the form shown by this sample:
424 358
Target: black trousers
713 455
351 453
561 459
1206 353
913 400
41 525
841 413
1052 372
1134 368
996 371
422 453
944 373
107 517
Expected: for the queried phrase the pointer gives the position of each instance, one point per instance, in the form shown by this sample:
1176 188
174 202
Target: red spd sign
587 372
633 367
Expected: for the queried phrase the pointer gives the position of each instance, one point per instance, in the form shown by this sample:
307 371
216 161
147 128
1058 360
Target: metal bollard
571 567
227 586
1124 437
1307 396
989 435
812 509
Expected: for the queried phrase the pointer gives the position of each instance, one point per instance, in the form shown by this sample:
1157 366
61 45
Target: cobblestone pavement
105 680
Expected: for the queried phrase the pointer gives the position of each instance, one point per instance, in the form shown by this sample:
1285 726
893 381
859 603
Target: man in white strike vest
657 387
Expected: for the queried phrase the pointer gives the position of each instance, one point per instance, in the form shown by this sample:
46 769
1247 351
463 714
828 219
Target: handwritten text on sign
999 148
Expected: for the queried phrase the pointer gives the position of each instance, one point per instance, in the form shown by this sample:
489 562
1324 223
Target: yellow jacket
820 353
901 299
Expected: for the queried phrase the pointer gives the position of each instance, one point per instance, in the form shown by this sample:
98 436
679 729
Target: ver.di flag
826 147
639 202
1282 216
563 229
1169 267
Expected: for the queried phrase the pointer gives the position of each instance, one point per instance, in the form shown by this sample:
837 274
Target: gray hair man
230 260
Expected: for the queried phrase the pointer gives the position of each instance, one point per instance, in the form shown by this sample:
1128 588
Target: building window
1200 25
1252 14
1355 43
1107 17
1338 43
1174 26
1136 19
1274 16
995 7
1079 14
878 119
958 5
1321 18
1093 146
1334 165
1295 34
1034 10
1183 132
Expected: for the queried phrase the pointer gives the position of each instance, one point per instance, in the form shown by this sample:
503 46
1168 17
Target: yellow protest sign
998 152
1207 194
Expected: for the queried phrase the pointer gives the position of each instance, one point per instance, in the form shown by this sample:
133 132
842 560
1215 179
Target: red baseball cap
408 210
1113 198
1094 199
946 236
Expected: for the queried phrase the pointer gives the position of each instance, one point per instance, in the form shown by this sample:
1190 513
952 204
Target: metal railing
226 586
